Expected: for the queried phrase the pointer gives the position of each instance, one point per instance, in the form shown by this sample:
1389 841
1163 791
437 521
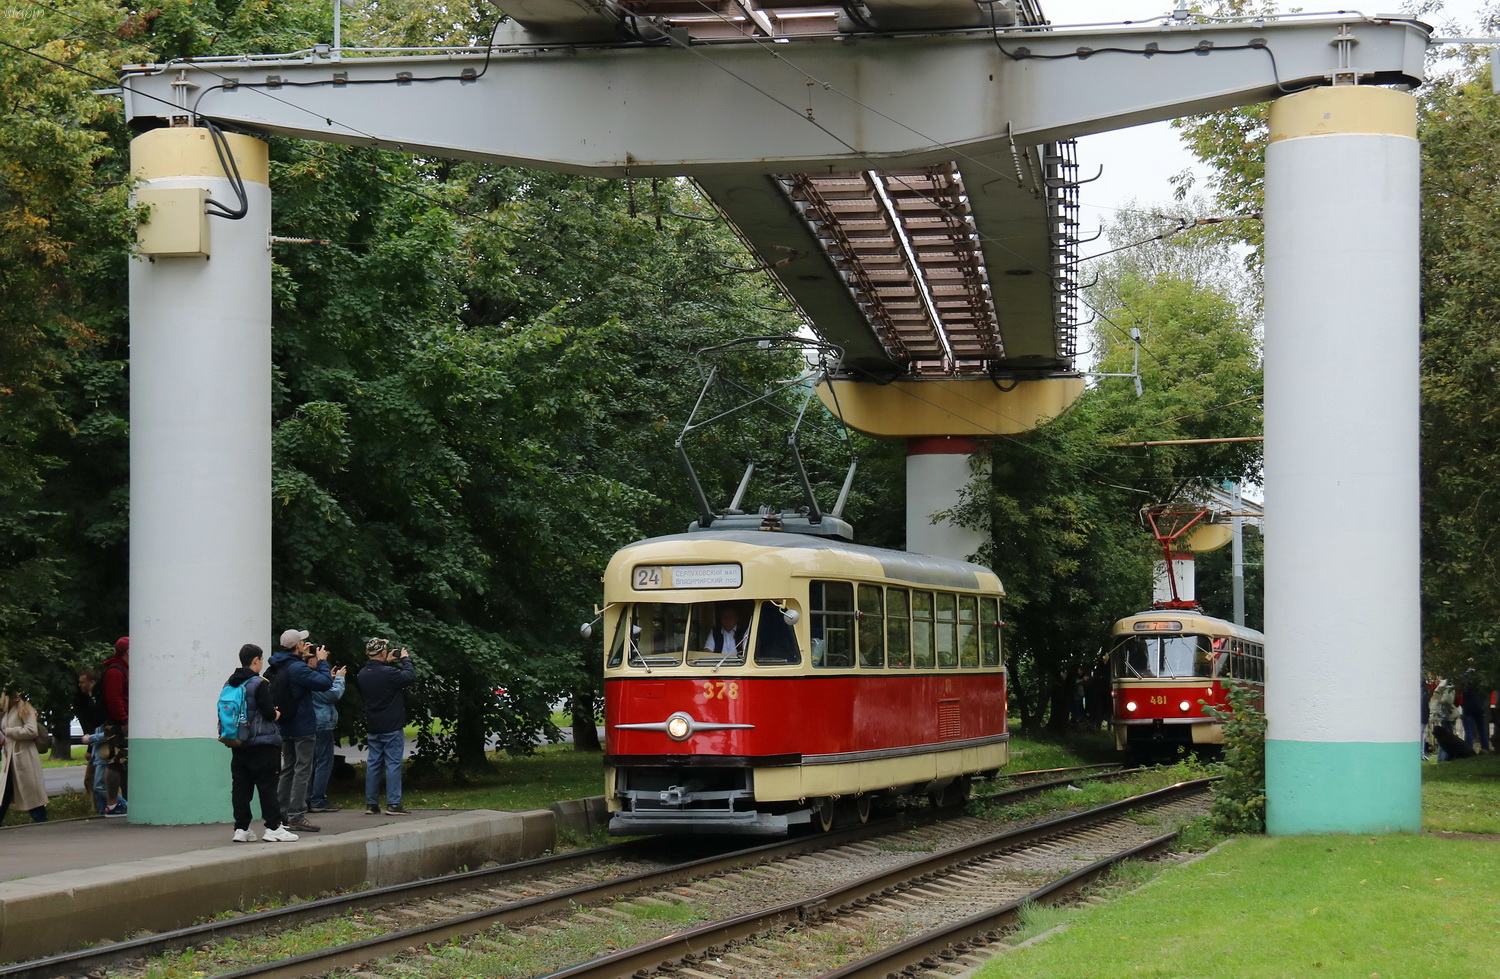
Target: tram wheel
862 807
823 812
938 798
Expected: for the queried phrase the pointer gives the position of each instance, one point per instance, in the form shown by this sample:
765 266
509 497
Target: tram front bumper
704 822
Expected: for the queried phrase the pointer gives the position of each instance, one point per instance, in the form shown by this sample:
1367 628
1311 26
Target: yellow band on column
189 152
1342 109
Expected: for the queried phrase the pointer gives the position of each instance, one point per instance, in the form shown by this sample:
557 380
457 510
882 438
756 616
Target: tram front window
1163 656
656 635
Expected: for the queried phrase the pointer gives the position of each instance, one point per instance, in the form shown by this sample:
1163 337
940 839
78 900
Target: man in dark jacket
296 671
255 765
383 681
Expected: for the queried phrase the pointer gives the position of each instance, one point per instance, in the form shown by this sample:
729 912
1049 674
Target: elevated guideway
905 170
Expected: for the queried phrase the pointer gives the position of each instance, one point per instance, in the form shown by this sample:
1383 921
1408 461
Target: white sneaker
244 836
279 835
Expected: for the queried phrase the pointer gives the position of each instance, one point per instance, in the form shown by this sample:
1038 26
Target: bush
1240 799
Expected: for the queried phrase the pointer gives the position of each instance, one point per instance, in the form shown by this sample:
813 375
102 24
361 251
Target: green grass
1337 906
1462 796
535 782
1399 905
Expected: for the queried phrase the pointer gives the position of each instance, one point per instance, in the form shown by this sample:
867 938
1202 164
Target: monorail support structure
200 461
1341 373
1341 280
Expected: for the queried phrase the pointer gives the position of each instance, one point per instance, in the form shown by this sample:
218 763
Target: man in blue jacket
297 670
383 681
325 707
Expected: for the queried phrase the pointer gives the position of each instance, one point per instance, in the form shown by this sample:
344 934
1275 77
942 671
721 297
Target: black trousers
255 769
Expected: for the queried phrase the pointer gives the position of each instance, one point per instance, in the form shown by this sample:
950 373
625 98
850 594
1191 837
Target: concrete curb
52 913
582 816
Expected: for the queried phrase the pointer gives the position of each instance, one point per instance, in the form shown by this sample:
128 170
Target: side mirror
791 616
586 630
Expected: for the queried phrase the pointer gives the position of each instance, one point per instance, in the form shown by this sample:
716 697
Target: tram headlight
679 726
1185 706
1130 706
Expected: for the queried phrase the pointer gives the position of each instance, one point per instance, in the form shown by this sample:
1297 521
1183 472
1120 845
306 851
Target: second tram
756 680
1167 668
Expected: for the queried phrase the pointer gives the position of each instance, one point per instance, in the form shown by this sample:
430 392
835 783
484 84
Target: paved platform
72 881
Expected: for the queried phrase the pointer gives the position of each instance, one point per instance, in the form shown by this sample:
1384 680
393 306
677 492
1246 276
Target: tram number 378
721 690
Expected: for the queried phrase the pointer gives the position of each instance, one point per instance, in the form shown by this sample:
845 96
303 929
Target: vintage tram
1168 668
756 680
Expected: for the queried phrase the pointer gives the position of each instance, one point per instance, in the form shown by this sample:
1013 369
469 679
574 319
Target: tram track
945 886
473 901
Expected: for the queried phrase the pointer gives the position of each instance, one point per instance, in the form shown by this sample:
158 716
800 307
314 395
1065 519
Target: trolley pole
1237 553
1341 365
200 461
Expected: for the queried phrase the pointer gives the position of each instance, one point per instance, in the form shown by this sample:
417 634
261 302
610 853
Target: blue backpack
234 721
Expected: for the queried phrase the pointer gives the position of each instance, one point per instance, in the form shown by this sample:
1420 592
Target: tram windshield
1163 656
653 635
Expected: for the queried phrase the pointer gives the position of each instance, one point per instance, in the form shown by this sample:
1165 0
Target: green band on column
175 781
1343 787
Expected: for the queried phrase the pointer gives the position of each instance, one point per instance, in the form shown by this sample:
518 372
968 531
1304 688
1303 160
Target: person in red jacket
114 678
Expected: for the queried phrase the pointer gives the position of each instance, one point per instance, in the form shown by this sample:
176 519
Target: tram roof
1192 621
810 555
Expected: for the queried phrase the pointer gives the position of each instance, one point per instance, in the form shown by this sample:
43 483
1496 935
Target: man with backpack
255 759
296 671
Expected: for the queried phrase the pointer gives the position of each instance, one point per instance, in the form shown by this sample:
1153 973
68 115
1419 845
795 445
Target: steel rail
89 960
673 948
984 926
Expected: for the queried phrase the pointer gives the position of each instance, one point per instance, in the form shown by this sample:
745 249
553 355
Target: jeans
98 786
317 792
384 758
255 769
296 775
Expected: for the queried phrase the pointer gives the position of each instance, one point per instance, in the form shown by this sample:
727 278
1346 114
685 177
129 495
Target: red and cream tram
1168 666
756 680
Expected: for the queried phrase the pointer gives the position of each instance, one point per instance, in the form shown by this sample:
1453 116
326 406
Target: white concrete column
1341 367
200 463
937 472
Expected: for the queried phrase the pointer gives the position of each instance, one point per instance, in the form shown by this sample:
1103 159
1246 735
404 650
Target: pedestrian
326 713
297 670
90 714
114 747
1441 714
21 779
255 764
383 685
1476 698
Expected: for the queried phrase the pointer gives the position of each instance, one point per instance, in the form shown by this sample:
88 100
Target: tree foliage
478 380
1063 502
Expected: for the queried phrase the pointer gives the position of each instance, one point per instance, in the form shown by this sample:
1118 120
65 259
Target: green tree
1063 502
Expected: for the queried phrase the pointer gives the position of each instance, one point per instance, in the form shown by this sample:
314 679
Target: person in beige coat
20 763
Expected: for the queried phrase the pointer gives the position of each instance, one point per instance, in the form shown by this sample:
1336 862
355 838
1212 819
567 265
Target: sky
1138 163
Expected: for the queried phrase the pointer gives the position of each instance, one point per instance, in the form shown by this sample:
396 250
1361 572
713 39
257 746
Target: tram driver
728 639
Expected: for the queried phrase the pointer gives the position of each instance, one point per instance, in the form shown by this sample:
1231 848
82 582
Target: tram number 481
720 690
1158 698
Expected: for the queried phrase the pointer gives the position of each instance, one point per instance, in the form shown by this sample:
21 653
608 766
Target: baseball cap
291 637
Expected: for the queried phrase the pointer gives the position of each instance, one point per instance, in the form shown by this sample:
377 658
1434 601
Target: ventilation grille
949 725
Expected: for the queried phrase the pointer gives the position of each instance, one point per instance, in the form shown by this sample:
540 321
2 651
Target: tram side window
871 628
775 640
947 637
968 631
921 630
898 628
989 630
1257 663
832 624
